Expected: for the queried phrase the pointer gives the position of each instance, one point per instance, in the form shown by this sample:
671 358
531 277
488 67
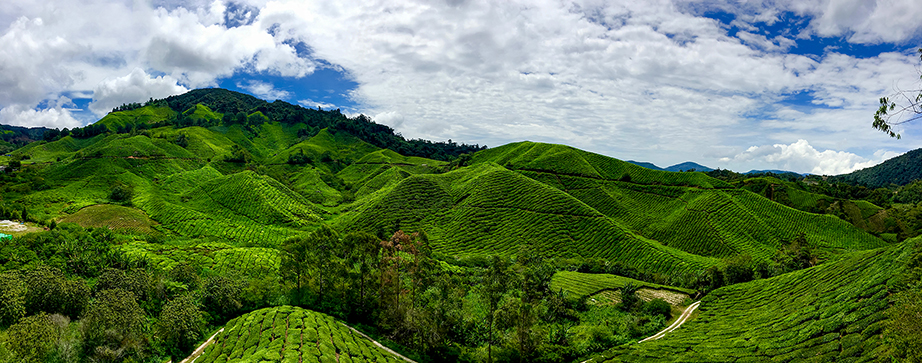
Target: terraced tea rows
112 217
487 209
832 312
218 257
291 335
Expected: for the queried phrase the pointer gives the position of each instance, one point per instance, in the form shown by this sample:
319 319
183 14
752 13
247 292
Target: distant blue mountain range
688 165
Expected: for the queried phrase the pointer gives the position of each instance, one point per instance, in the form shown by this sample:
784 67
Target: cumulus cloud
61 47
651 80
188 46
136 86
800 156
53 117
264 90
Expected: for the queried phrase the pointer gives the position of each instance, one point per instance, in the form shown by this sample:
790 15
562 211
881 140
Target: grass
832 312
112 217
291 335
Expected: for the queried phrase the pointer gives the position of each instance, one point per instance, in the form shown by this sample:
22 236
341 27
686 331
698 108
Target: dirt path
681 320
379 344
198 351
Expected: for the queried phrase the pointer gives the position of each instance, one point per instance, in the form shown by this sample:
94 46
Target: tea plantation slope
566 160
291 335
244 207
487 209
831 312
688 211
714 222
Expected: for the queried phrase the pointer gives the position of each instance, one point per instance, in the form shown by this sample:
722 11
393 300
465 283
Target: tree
364 249
494 285
32 338
12 298
295 263
891 113
181 325
221 296
49 291
113 326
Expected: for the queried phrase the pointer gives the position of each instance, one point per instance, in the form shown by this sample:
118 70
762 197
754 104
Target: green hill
690 212
291 335
900 170
832 312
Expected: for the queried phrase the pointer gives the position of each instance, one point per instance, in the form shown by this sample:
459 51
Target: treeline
502 310
250 112
232 104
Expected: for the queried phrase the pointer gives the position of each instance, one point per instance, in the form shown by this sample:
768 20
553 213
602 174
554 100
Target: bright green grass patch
832 312
144 115
112 217
291 334
203 113
585 284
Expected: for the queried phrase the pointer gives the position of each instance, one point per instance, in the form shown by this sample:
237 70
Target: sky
740 85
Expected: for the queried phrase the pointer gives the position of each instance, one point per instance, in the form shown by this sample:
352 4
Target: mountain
900 170
688 165
645 164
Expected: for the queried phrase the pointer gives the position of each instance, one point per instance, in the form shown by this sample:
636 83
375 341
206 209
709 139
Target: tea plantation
291 335
832 312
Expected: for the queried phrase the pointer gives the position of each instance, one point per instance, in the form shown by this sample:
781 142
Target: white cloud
264 90
136 86
54 117
192 48
309 103
62 47
802 157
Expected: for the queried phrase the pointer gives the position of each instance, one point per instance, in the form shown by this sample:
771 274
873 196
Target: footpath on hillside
675 325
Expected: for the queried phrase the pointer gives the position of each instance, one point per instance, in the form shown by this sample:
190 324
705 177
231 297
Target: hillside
291 334
899 171
832 312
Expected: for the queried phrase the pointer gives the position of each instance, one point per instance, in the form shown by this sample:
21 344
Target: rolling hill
290 334
832 312
900 170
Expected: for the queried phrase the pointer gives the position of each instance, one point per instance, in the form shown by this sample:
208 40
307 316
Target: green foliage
13 291
122 193
51 292
181 325
186 274
32 338
658 307
113 327
221 296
